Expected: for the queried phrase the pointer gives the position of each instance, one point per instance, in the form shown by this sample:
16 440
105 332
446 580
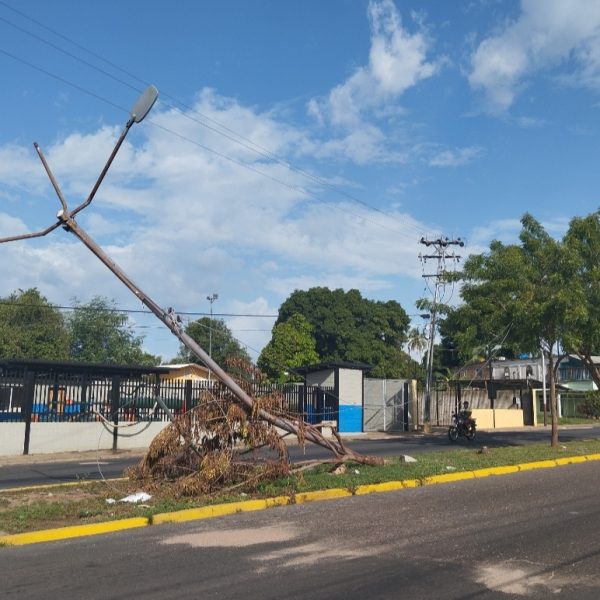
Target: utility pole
440 249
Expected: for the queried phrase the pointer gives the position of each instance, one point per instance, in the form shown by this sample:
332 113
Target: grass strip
24 511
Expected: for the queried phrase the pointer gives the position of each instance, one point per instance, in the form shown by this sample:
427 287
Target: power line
242 164
132 311
223 131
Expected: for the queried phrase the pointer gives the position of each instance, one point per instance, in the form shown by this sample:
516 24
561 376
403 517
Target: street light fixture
211 299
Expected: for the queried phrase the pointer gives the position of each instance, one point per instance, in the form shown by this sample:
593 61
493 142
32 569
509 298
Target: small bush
590 407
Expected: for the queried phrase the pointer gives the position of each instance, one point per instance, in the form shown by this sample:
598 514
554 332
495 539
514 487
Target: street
43 469
533 535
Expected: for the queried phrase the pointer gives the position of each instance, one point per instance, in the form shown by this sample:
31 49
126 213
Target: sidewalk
87 456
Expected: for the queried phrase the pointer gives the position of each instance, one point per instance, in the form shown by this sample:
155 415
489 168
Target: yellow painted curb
538 464
64 533
505 470
448 477
388 486
331 494
218 510
570 460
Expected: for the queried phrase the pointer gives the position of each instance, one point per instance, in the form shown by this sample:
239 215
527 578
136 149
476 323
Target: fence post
405 400
187 401
114 407
302 401
28 392
84 394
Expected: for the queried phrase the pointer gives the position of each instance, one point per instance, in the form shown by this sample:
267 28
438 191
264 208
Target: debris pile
219 444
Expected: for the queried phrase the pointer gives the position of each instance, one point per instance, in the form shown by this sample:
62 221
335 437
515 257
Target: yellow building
185 372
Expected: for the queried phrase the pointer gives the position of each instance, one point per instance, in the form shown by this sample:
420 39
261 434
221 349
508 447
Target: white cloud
20 168
547 34
503 230
397 61
184 222
457 157
507 231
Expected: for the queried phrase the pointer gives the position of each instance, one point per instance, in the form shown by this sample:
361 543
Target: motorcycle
463 425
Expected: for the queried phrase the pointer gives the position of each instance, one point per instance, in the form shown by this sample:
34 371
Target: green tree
416 343
99 333
582 336
347 327
31 328
522 290
292 345
214 336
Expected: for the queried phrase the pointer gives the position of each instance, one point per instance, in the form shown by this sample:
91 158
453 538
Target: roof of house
176 366
595 359
79 368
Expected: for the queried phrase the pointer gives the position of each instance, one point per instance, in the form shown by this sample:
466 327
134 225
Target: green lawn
86 503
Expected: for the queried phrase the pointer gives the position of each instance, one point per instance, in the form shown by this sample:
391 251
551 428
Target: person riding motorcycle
465 413
464 424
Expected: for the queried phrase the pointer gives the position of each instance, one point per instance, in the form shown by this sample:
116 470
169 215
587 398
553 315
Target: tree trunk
553 400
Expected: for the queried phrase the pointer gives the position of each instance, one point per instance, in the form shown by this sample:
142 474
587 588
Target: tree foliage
31 328
519 295
348 327
100 333
583 334
292 345
214 336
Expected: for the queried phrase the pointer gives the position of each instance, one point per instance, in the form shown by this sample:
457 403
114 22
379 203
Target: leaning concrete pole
66 220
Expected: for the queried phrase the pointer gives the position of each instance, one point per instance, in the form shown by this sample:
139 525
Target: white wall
351 387
12 436
47 438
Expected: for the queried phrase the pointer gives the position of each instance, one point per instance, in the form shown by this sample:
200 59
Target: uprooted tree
198 449
220 443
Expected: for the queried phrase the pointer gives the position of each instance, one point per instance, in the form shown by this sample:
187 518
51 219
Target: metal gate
386 405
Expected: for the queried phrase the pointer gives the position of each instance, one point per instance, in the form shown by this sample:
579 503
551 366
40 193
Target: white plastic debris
357 471
135 498
110 501
408 459
449 468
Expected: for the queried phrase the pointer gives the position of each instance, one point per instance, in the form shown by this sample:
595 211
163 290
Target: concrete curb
219 510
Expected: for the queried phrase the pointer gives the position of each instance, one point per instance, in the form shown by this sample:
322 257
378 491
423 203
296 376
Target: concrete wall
46 438
324 378
500 417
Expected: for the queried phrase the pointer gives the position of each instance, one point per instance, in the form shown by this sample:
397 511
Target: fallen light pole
65 219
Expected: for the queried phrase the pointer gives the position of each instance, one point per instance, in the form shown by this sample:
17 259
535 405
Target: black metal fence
67 397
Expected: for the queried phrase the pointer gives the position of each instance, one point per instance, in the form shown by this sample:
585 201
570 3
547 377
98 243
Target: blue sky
294 143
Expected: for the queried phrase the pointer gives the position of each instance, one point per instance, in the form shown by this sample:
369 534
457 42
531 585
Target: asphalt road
533 535
32 471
